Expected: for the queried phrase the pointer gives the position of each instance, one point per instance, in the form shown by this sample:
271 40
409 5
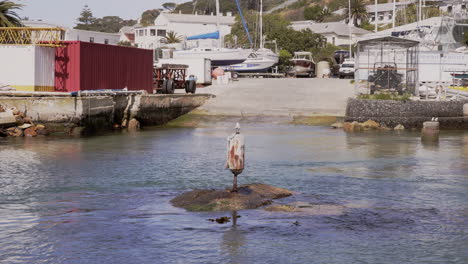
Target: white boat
218 56
260 60
304 64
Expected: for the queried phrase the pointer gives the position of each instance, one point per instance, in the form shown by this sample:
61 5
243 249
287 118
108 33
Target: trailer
169 77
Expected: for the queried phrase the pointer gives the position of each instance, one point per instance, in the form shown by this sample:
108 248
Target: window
144 30
463 7
390 16
91 39
449 9
161 32
381 17
333 40
140 33
153 32
372 19
106 41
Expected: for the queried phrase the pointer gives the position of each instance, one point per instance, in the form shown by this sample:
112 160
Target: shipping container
27 68
81 66
200 68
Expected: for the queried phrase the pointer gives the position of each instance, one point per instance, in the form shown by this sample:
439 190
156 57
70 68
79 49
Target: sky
65 12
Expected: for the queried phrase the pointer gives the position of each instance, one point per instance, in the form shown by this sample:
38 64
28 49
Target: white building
336 33
384 11
77 35
184 25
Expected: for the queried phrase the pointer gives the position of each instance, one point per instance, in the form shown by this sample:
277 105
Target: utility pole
261 24
349 28
394 14
217 25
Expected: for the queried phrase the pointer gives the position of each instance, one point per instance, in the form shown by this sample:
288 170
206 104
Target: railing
48 37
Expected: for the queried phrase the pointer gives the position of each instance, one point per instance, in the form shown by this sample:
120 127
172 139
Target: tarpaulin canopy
213 35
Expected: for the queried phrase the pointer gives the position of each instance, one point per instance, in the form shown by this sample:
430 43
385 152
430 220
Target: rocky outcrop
249 196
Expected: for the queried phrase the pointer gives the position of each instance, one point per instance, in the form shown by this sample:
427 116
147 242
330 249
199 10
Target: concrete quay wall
95 113
411 114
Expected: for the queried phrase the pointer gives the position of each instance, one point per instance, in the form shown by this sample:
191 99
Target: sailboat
219 56
260 60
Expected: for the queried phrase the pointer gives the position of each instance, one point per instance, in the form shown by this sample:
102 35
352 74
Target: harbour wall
411 114
102 112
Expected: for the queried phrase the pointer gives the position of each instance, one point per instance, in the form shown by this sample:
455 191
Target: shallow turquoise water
105 199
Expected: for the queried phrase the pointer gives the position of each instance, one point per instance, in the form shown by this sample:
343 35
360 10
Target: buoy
235 155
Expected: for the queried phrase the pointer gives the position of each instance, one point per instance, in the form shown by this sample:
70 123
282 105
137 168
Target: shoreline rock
249 196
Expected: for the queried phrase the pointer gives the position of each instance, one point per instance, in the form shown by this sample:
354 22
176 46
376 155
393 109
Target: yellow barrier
48 37
459 88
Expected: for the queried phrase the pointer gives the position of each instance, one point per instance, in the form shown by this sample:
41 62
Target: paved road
279 97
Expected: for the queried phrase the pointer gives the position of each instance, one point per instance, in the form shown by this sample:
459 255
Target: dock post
430 131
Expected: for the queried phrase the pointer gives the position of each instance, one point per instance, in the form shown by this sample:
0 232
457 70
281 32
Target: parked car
346 69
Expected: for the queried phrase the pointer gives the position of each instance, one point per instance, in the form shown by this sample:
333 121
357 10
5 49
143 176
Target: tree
316 13
148 17
358 12
169 6
108 24
313 12
86 19
172 37
9 17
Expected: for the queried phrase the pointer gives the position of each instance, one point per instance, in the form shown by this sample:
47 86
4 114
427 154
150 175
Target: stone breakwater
76 115
410 114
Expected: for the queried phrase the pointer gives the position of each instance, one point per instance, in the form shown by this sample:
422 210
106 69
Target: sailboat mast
261 24
217 24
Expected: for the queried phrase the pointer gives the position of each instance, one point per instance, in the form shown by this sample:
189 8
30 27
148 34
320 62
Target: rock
2 109
15 132
133 124
25 126
371 124
30 132
337 125
399 127
40 127
77 131
41 130
19 120
249 196
385 127
353 126
221 220
7 118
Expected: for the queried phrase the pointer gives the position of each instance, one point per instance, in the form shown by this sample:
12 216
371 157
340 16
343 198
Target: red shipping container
83 66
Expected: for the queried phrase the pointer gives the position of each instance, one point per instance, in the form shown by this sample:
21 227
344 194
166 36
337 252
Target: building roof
39 24
127 29
389 41
201 19
386 6
338 28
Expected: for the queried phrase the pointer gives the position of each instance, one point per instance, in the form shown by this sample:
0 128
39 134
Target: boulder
249 196
7 118
15 132
371 124
30 132
41 130
337 125
399 127
352 126
133 124
77 131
